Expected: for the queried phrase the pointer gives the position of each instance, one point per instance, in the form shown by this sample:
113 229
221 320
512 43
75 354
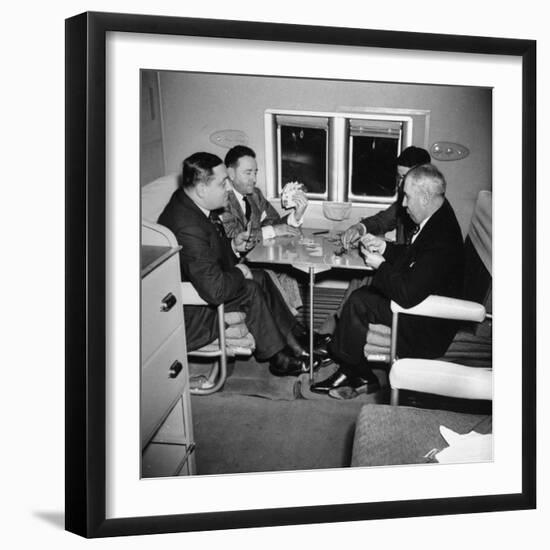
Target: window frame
338 157
389 199
279 183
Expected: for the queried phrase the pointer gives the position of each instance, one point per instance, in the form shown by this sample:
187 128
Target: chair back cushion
478 260
481 228
155 196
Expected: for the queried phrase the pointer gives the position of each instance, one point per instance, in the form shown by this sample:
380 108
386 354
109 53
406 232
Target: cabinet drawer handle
175 369
168 302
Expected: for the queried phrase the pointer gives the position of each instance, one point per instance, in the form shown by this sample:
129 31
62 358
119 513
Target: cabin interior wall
195 105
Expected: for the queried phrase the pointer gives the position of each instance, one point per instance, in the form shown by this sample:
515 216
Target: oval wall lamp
229 138
446 150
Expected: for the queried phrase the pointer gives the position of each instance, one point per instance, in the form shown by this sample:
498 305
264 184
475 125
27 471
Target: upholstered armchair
470 353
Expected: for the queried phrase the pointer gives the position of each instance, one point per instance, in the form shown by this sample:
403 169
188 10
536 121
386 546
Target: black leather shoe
321 343
301 333
319 361
354 387
283 363
336 380
320 339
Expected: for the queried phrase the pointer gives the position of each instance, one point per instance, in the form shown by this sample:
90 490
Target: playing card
289 190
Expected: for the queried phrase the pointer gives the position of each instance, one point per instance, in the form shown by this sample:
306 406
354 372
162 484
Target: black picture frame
86 263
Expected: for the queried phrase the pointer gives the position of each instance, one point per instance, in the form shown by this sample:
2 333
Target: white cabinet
166 426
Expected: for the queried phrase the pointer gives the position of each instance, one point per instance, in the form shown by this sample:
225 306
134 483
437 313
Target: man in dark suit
431 264
210 261
395 216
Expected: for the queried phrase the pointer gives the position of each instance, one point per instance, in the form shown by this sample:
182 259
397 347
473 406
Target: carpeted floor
262 423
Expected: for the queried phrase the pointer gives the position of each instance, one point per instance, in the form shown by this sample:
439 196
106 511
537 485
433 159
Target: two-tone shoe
285 363
354 387
334 381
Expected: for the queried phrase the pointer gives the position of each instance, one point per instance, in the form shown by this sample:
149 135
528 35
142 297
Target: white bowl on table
336 211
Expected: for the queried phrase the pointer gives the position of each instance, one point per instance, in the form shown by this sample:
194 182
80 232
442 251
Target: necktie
414 231
215 219
247 209
405 233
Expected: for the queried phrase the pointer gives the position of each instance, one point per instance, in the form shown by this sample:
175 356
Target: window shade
303 121
376 128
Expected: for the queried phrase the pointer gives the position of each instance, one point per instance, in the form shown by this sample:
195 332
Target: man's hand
352 235
285 230
372 259
245 269
301 205
371 243
242 241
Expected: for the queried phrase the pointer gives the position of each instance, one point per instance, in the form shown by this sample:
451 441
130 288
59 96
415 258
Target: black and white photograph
302 268
274 274
316 273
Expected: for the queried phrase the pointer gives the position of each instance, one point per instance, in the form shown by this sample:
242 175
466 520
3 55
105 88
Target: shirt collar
204 211
420 227
239 196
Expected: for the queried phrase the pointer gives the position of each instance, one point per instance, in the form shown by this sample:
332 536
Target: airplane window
373 166
338 156
304 157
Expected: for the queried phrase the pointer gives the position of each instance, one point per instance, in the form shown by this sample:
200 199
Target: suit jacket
233 217
206 260
433 264
393 217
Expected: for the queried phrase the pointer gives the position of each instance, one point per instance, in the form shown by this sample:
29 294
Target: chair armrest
445 308
156 234
190 296
442 378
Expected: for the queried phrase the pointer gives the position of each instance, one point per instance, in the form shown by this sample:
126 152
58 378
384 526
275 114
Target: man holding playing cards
248 205
407 273
248 209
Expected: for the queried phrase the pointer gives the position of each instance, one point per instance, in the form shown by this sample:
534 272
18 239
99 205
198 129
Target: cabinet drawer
163 379
160 460
171 451
174 428
161 307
